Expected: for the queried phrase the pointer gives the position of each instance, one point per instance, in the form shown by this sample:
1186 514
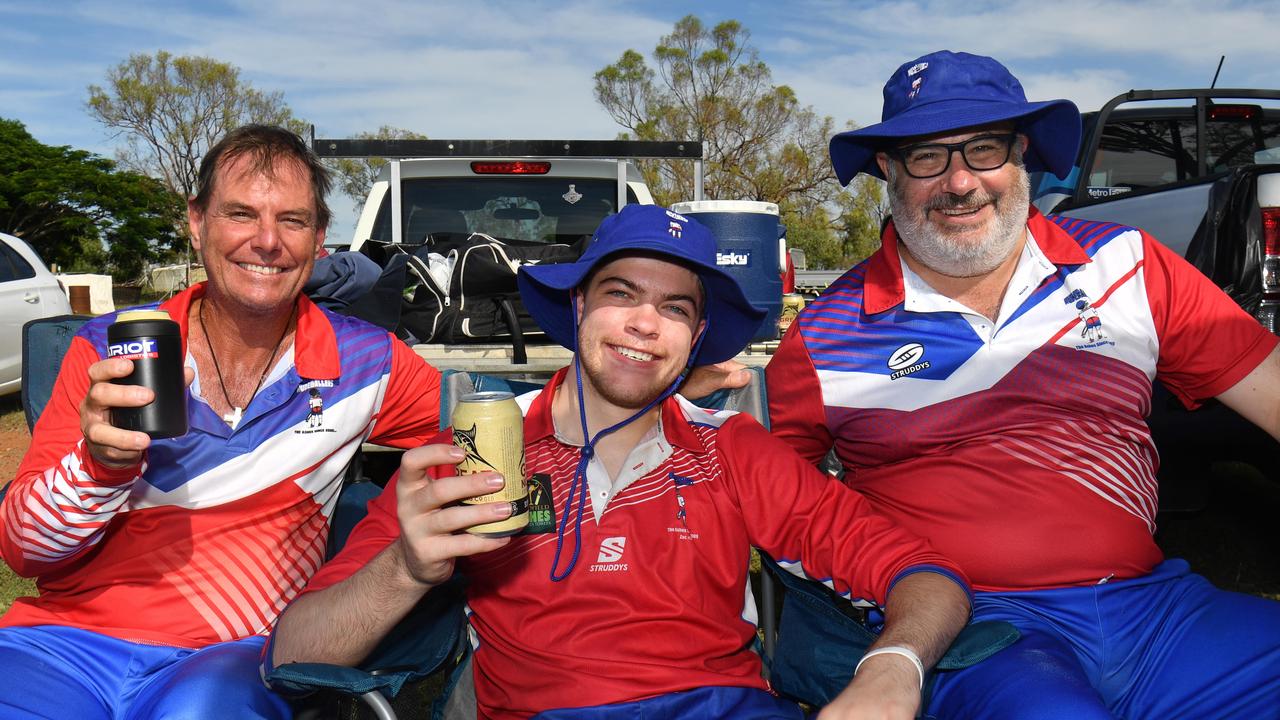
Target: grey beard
971 254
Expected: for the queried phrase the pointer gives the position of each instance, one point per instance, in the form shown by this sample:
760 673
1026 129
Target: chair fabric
44 342
821 637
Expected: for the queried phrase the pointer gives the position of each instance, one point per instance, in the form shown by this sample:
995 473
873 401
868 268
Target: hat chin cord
578 488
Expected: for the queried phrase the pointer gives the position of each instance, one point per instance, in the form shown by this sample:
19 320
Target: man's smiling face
640 316
259 235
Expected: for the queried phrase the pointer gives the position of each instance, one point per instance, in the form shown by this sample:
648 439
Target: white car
27 291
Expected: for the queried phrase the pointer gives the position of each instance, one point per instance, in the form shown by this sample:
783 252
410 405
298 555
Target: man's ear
195 222
883 161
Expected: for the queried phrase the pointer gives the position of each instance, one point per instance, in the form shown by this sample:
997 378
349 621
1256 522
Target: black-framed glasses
926 160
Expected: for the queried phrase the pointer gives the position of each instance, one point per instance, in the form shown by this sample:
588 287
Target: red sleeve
61 501
796 413
796 513
410 411
1207 342
376 531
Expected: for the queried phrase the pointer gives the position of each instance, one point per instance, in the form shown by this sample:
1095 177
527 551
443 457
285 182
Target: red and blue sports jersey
659 600
1019 447
217 530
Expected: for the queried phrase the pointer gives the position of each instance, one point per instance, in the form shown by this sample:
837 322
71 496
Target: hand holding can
489 428
153 342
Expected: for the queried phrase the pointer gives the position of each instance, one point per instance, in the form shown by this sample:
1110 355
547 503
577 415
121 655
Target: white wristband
905 652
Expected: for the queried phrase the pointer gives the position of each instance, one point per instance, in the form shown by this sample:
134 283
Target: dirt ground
14 438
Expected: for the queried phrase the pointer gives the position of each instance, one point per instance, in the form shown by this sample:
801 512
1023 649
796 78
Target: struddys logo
609 558
1092 332
134 349
907 360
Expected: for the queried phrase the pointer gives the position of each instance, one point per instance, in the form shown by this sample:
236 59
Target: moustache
971 201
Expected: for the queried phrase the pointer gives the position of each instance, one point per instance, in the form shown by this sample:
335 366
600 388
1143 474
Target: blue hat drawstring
578 488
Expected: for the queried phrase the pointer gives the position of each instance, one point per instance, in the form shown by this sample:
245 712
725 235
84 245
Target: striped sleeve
61 501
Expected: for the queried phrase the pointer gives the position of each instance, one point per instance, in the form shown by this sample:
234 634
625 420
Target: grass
12 420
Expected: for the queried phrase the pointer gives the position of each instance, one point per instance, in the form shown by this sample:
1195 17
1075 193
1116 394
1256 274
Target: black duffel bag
459 289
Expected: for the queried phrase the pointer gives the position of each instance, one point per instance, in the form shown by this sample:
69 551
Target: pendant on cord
233 418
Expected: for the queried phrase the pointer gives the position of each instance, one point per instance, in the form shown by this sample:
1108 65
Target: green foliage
356 175
759 142
863 209
710 85
78 211
170 110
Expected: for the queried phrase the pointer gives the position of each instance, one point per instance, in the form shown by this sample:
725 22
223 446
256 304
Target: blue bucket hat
731 319
945 91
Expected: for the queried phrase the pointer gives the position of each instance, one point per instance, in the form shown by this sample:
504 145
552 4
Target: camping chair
431 643
44 342
440 622
433 638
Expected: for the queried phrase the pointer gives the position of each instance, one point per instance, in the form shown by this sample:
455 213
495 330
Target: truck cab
549 200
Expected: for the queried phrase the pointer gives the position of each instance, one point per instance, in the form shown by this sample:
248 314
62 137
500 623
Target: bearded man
983 379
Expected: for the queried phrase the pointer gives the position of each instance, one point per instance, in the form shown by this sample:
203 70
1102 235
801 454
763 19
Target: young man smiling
638 604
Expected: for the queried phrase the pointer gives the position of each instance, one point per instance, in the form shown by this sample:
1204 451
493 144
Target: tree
759 142
356 175
78 211
710 85
863 210
170 110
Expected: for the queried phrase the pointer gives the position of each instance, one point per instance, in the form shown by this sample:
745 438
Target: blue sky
499 69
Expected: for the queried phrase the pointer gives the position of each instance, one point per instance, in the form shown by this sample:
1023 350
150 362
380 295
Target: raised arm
413 534
79 469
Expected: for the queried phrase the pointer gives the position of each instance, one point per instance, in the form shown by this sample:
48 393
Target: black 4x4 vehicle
1200 171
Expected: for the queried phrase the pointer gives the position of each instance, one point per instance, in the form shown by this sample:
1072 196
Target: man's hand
887 687
433 521
706 379
111 446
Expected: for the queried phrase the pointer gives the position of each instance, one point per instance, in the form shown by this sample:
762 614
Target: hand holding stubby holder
153 342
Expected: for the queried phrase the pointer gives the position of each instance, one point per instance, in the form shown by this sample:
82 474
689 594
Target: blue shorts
58 672
1168 645
708 703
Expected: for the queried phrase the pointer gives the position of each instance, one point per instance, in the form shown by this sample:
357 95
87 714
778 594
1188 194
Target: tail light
1234 112
1270 307
512 167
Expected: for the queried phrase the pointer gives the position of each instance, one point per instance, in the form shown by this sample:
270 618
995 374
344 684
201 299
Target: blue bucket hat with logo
731 319
945 91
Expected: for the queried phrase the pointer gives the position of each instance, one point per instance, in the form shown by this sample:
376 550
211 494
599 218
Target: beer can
792 304
153 342
489 427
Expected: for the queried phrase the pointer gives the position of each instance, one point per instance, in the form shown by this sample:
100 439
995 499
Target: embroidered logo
315 410
682 513
610 553
906 360
916 82
1092 332
315 403
675 229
